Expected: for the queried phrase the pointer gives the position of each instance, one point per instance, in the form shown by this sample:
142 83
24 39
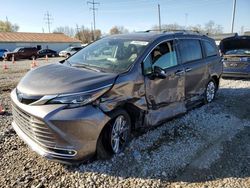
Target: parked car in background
70 51
48 52
236 56
22 53
89 103
2 52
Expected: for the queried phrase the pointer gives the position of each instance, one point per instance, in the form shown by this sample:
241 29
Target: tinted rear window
210 49
190 50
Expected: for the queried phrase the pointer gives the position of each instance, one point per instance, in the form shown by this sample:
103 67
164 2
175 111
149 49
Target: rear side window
190 50
210 49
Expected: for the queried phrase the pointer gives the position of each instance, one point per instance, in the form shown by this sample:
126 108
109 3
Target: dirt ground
207 147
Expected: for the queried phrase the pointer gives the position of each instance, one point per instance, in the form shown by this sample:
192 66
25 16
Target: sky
135 15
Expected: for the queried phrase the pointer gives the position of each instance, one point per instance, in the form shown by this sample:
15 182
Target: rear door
27 52
165 96
195 67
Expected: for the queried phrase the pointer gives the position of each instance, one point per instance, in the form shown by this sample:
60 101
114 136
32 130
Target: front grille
36 129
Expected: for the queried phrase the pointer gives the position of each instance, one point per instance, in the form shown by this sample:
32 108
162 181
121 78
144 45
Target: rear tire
115 135
210 91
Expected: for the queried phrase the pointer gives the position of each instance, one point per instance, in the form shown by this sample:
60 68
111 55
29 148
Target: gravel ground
207 147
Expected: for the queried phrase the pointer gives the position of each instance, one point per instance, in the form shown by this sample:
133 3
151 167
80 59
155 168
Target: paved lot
207 147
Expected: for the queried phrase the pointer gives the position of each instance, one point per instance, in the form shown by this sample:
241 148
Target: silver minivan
89 103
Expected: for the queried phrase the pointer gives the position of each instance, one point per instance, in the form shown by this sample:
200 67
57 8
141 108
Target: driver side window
163 56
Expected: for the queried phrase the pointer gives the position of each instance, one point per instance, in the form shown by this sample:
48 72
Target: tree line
6 26
87 35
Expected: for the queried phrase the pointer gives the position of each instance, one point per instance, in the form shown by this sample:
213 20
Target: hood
236 42
10 53
57 78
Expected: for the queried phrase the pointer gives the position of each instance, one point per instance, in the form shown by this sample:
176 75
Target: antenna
93 3
48 19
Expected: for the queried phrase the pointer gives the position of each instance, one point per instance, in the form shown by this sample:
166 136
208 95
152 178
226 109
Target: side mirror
159 72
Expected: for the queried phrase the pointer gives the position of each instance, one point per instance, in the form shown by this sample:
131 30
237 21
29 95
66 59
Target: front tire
115 135
210 91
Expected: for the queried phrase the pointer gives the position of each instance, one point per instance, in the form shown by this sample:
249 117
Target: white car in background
69 51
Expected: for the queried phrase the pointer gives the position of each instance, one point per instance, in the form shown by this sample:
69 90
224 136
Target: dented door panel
165 96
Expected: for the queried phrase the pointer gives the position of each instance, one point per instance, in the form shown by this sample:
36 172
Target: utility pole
48 19
77 28
93 4
78 31
159 16
233 16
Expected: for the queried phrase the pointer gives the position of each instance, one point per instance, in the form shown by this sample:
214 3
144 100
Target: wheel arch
112 114
216 78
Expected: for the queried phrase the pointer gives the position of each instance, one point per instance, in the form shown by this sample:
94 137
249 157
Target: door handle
179 72
188 69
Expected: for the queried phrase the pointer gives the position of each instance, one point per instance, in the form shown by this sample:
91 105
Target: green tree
6 26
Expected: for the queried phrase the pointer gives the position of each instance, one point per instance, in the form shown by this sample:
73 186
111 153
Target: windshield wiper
85 66
68 62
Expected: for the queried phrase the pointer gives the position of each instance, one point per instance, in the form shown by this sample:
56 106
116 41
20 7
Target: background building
54 41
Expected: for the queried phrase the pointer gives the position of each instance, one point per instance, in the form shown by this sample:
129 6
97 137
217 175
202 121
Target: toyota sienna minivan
88 104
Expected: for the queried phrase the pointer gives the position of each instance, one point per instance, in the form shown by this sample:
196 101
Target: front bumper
65 135
237 73
63 54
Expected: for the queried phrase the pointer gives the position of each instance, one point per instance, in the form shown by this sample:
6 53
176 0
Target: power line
48 19
93 8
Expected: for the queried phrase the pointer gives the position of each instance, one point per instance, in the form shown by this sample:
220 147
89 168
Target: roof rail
172 30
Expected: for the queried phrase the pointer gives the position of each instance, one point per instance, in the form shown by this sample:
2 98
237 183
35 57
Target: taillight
245 59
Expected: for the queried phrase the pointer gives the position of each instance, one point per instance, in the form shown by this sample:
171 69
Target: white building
54 41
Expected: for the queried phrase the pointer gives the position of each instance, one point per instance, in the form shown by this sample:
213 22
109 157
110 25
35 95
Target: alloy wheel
210 91
119 133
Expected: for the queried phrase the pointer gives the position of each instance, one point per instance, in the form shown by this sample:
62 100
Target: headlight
80 99
73 101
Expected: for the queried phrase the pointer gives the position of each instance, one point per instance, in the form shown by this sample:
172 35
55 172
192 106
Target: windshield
238 52
67 49
17 49
109 55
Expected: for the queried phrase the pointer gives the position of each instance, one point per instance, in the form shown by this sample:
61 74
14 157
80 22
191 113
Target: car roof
151 36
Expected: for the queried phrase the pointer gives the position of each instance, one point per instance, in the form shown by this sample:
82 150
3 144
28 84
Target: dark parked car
48 52
70 51
2 52
89 103
22 53
236 56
